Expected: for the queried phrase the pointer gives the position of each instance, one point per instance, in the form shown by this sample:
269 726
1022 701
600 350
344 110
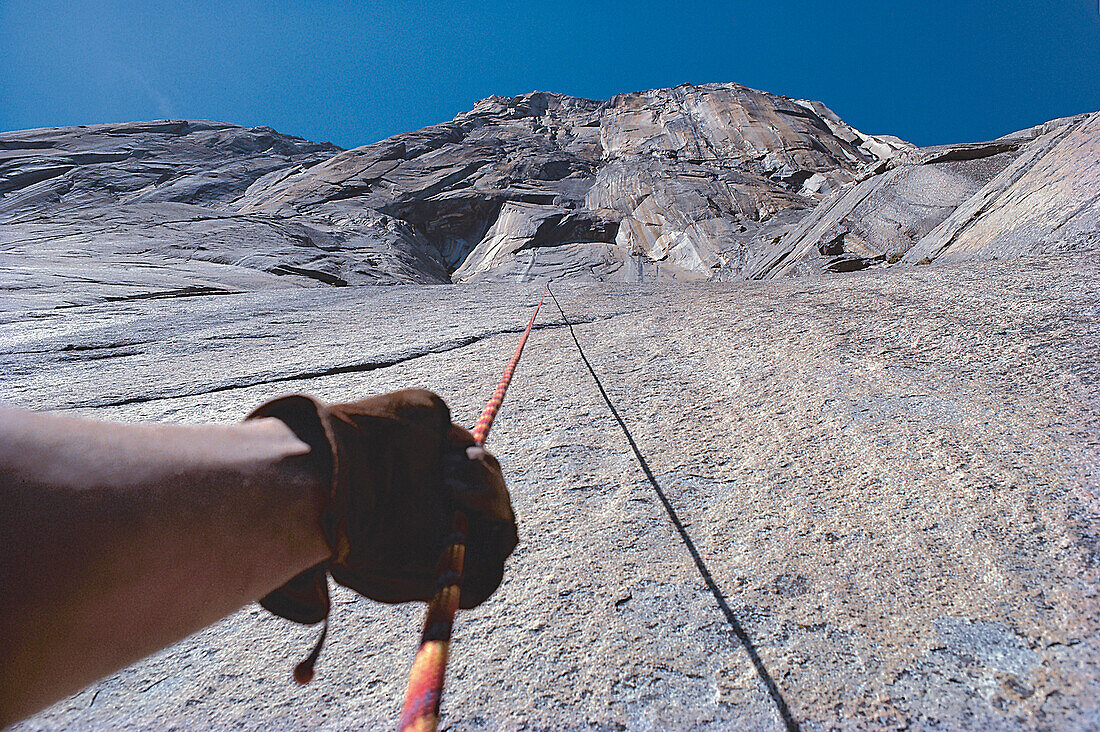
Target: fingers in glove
475 482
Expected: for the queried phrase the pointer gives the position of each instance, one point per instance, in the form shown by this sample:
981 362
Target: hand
400 471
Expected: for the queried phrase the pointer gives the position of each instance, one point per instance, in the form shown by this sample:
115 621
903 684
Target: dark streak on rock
332 370
190 291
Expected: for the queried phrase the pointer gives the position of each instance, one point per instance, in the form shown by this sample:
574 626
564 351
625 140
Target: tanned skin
117 540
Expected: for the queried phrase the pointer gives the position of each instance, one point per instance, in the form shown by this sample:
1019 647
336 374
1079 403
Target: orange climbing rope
420 713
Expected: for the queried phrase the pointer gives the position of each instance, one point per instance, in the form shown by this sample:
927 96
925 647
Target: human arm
117 540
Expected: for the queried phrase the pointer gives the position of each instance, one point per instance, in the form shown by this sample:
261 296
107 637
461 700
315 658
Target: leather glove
400 470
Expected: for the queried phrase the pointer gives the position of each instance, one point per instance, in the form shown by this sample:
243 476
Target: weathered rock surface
957 201
126 210
691 177
882 215
893 483
714 182
1048 201
688 179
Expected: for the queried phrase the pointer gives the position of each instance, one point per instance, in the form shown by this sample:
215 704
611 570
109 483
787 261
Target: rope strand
420 712
746 642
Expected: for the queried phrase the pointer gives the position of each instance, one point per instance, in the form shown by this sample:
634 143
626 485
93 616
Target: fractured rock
123 207
709 182
1048 201
692 178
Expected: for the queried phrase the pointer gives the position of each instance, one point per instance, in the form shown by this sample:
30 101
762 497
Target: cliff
711 182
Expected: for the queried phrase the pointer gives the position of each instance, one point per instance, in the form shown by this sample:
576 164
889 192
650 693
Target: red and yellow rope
420 712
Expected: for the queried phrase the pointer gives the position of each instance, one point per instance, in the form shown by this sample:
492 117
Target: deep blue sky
930 71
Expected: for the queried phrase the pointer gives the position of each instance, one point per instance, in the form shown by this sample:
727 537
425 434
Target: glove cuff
305 598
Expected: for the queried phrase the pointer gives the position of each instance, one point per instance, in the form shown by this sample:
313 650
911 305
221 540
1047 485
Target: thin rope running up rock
704 572
420 711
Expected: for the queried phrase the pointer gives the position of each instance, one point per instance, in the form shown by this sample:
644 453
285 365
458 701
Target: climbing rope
420 712
421 709
789 722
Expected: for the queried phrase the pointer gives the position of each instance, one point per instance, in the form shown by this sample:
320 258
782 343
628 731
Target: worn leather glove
400 470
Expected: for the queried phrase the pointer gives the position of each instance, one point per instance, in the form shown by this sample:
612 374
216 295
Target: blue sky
351 73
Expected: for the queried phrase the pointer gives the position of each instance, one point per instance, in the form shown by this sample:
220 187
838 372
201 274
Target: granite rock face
882 215
687 180
691 178
1033 192
710 182
1047 201
898 512
146 210
893 485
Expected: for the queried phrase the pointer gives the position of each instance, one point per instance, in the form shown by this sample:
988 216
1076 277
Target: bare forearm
121 539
